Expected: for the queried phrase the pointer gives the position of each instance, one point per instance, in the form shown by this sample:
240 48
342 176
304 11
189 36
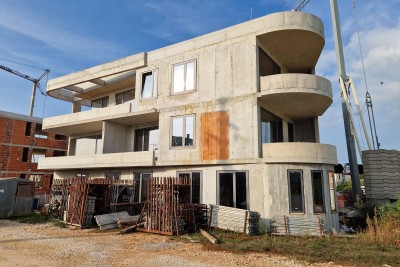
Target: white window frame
233 172
155 87
183 131
185 90
190 179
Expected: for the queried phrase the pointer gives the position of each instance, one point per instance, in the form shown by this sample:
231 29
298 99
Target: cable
22 64
359 43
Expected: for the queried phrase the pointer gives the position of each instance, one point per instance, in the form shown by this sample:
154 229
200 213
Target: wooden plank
208 236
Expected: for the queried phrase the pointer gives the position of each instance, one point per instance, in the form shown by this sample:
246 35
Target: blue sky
68 36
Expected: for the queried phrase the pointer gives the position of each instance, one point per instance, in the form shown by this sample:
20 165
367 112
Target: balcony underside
297 96
299 153
295 39
112 160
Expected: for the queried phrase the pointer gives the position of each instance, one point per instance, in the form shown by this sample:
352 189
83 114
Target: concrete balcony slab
92 120
126 159
299 153
298 96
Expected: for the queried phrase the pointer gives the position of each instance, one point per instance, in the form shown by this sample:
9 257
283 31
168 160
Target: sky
68 36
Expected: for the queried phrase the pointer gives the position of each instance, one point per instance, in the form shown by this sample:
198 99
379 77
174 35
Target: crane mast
27 77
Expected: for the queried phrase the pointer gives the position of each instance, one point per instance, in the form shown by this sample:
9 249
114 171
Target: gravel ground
48 245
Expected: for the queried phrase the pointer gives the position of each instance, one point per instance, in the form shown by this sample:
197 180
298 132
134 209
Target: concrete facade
22 142
240 106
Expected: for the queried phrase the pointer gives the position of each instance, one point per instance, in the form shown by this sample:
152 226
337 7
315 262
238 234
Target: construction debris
208 236
233 219
114 220
298 226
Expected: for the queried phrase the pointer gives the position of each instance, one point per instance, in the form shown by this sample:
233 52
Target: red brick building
22 143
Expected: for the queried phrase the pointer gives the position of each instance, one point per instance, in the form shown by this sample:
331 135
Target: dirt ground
48 245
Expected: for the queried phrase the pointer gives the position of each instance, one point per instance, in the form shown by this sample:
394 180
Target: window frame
183 131
102 102
233 172
302 192
154 91
184 63
322 190
191 180
123 94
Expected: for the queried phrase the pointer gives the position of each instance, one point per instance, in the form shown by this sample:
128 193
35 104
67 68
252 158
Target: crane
346 83
27 77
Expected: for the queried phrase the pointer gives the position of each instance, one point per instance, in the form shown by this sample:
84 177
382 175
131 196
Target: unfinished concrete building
235 110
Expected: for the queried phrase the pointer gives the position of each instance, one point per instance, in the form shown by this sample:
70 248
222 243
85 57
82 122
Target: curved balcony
295 39
298 96
299 153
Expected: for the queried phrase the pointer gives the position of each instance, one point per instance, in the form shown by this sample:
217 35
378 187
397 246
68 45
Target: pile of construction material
233 219
381 175
89 211
114 220
298 226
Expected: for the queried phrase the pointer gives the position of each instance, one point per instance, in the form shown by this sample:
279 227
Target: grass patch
32 219
346 251
60 224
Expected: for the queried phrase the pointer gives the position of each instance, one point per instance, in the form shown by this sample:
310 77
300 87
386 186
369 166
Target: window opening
124 97
39 133
25 153
290 132
195 185
100 102
266 65
271 127
149 84
28 128
184 76
232 187
182 131
141 181
82 175
296 198
37 154
146 139
60 137
318 191
38 179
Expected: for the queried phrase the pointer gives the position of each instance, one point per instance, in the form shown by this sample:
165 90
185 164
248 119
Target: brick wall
13 139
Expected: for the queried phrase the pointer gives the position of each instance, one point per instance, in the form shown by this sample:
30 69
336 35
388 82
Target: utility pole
344 82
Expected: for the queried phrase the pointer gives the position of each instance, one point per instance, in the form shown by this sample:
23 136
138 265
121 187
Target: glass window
141 182
296 200
331 181
184 77
149 84
271 127
318 191
124 97
195 185
100 103
146 139
182 131
232 187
